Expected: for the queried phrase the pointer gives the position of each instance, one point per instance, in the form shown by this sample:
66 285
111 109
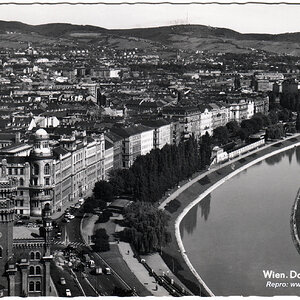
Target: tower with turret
41 165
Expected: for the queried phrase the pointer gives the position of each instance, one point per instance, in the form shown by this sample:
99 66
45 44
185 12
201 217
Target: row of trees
146 227
153 174
222 134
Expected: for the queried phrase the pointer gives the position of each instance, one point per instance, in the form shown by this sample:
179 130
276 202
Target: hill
189 37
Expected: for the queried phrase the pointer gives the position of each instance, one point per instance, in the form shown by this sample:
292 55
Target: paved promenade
121 253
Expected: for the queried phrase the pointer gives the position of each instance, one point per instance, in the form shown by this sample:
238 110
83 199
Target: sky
251 18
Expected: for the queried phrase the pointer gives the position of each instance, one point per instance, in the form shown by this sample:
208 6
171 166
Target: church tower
7 189
46 233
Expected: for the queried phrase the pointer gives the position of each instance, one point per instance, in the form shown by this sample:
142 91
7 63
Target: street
82 282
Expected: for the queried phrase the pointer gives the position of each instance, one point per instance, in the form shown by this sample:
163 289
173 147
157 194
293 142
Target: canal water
243 228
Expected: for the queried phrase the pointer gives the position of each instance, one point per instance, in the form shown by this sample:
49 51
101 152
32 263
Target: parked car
71 217
68 293
107 271
62 281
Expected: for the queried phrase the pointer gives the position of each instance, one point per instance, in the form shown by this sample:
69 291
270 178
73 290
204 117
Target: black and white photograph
149 148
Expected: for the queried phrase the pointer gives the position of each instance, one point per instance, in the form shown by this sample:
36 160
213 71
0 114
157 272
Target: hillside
189 37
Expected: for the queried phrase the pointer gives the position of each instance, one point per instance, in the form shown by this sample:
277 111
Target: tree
273 117
220 135
101 240
103 190
146 227
233 128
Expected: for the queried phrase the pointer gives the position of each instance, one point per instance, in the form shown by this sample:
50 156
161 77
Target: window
47 181
47 169
31 270
21 171
38 286
21 194
37 255
9 171
1 250
21 181
31 255
16 171
38 270
36 169
31 286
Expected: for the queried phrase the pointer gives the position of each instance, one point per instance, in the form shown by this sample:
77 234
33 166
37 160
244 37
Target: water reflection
290 154
205 207
298 155
273 160
189 223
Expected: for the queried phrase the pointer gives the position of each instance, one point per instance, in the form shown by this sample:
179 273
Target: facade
220 115
136 140
250 109
261 105
24 252
189 119
54 174
109 158
206 121
147 139
161 134
116 140
239 111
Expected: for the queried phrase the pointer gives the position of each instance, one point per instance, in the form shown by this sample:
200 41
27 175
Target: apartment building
55 174
161 134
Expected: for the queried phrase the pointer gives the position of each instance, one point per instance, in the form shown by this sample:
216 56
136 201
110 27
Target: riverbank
174 254
295 222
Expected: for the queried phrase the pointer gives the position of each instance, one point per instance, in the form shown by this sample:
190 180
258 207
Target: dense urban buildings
98 108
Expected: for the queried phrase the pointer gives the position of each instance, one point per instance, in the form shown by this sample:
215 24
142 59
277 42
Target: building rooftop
24 232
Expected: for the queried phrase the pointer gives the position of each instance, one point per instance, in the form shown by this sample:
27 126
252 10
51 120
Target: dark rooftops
57 151
130 131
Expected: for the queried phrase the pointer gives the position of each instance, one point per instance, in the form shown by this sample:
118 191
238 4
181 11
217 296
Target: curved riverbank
174 254
295 219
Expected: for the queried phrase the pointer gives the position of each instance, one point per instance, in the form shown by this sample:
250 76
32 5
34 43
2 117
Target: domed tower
7 189
41 171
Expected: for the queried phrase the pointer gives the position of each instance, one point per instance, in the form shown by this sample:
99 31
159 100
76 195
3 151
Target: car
77 205
70 217
62 281
72 206
68 293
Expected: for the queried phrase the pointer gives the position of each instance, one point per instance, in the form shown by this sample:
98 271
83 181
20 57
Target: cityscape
148 161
